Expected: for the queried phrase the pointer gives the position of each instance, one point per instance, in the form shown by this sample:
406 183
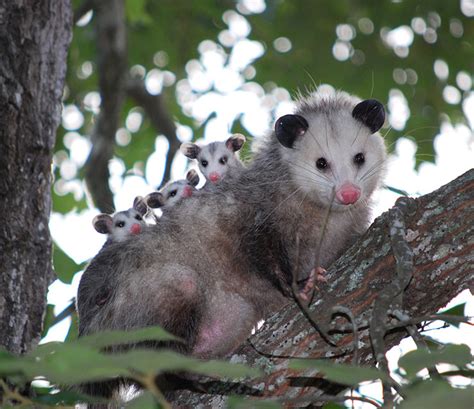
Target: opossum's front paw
317 274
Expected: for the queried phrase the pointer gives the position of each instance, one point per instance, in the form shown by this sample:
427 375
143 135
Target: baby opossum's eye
120 224
204 163
223 160
322 163
359 159
173 193
138 217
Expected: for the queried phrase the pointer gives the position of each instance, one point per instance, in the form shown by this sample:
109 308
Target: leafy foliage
74 362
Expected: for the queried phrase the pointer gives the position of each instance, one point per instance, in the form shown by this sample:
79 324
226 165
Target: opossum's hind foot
317 274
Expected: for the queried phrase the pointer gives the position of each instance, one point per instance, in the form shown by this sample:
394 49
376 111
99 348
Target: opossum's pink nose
136 228
214 177
348 194
187 192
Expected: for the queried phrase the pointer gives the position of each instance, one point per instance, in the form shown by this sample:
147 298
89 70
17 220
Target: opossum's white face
339 153
217 159
120 226
126 224
176 191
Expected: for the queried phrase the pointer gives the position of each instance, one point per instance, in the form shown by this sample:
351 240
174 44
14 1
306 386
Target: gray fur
217 159
210 275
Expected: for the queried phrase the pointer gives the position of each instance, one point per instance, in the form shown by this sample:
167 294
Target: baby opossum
173 192
123 224
216 159
209 276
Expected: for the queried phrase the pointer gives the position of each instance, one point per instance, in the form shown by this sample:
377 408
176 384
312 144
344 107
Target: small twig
301 303
149 383
341 310
155 108
417 338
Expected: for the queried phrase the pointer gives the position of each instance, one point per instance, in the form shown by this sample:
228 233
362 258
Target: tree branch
155 108
439 231
112 63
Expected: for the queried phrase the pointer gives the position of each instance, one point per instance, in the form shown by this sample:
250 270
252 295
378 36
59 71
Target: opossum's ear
103 223
192 177
140 205
191 150
155 200
371 113
290 127
235 142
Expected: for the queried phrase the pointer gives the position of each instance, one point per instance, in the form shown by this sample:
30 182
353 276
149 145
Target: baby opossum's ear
192 177
155 200
235 142
290 127
371 113
191 150
103 223
140 205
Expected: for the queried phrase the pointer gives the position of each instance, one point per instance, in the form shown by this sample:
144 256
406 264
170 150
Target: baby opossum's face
335 149
121 226
174 192
216 159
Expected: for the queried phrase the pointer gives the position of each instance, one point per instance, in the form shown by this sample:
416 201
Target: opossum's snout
348 194
187 191
136 228
214 177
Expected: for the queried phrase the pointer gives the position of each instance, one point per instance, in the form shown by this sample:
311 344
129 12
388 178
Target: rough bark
111 39
439 230
34 37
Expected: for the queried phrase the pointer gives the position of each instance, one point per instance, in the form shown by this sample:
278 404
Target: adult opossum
225 259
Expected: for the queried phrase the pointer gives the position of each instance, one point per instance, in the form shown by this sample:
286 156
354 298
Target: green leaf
457 310
110 338
63 398
153 362
344 374
63 265
48 320
144 401
136 12
414 361
396 190
70 364
332 405
437 395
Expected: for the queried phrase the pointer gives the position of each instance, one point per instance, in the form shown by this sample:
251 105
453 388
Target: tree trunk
440 232
34 37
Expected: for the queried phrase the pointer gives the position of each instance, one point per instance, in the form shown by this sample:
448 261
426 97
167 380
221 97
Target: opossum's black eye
173 193
223 160
138 217
322 164
359 159
120 224
204 163
290 127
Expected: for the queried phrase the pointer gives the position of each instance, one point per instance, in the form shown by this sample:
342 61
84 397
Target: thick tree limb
34 38
112 63
155 108
440 233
